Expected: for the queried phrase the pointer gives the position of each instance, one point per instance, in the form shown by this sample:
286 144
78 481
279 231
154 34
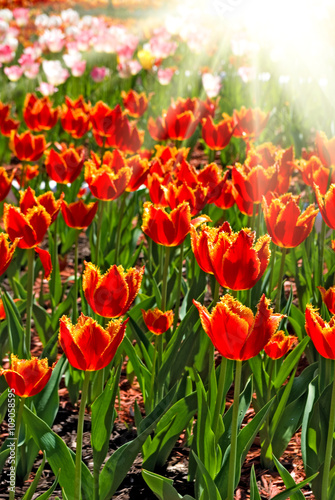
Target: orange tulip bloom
328 297
217 136
39 114
286 225
314 172
87 345
28 200
139 172
196 197
158 129
279 345
136 104
78 214
249 122
75 117
5 182
108 181
180 125
29 173
7 125
326 149
235 332
45 259
226 198
166 229
321 333
252 183
30 227
105 121
28 147
27 377
230 256
64 167
326 205
6 252
157 321
111 295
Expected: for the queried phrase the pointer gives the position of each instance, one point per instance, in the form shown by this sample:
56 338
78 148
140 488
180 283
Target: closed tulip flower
286 225
217 135
79 215
232 257
111 295
326 205
28 147
64 167
27 377
233 329
136 104
39 114
325 148
87 345
249 122
157 321
5 182
30 227
168 229
321 333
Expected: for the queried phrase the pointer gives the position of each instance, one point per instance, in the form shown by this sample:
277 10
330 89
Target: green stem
322 242
16 438
219 398
153 377
54 260
80 429
216 293
234 429
97 246
150 257
165 278
329 447
75 303
272 265
180 273
211 156
280 279
118 233
30 284
253 218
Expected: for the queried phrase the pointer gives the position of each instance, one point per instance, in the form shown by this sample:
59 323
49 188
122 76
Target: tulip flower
195 197
157 321
28 147
326 204
136 104
27 377
321 333
6 252
87 345
157 129
39 114
252 183
279 345
230 256
108 181
235 331
30 228
7 125
64 167
5 182
217 136
328 297
47 200
249 122
139 172
314 172
111 295
286 225
326 149
168 229
75 117
79 215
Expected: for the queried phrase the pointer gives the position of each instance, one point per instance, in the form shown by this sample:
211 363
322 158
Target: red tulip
217 136
157 321
39 114
79 215
168 229
279 345
235 332
6 252
64 167
321 333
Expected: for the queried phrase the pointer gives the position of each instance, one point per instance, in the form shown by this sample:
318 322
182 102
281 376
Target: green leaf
254 493
116 468
47 494
290 362
288 480
210 491
297 319
15 328
3 457
3 404
288 492
47 401
32 488
168 430
142 373
103 414
42 323
58 455
161 486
